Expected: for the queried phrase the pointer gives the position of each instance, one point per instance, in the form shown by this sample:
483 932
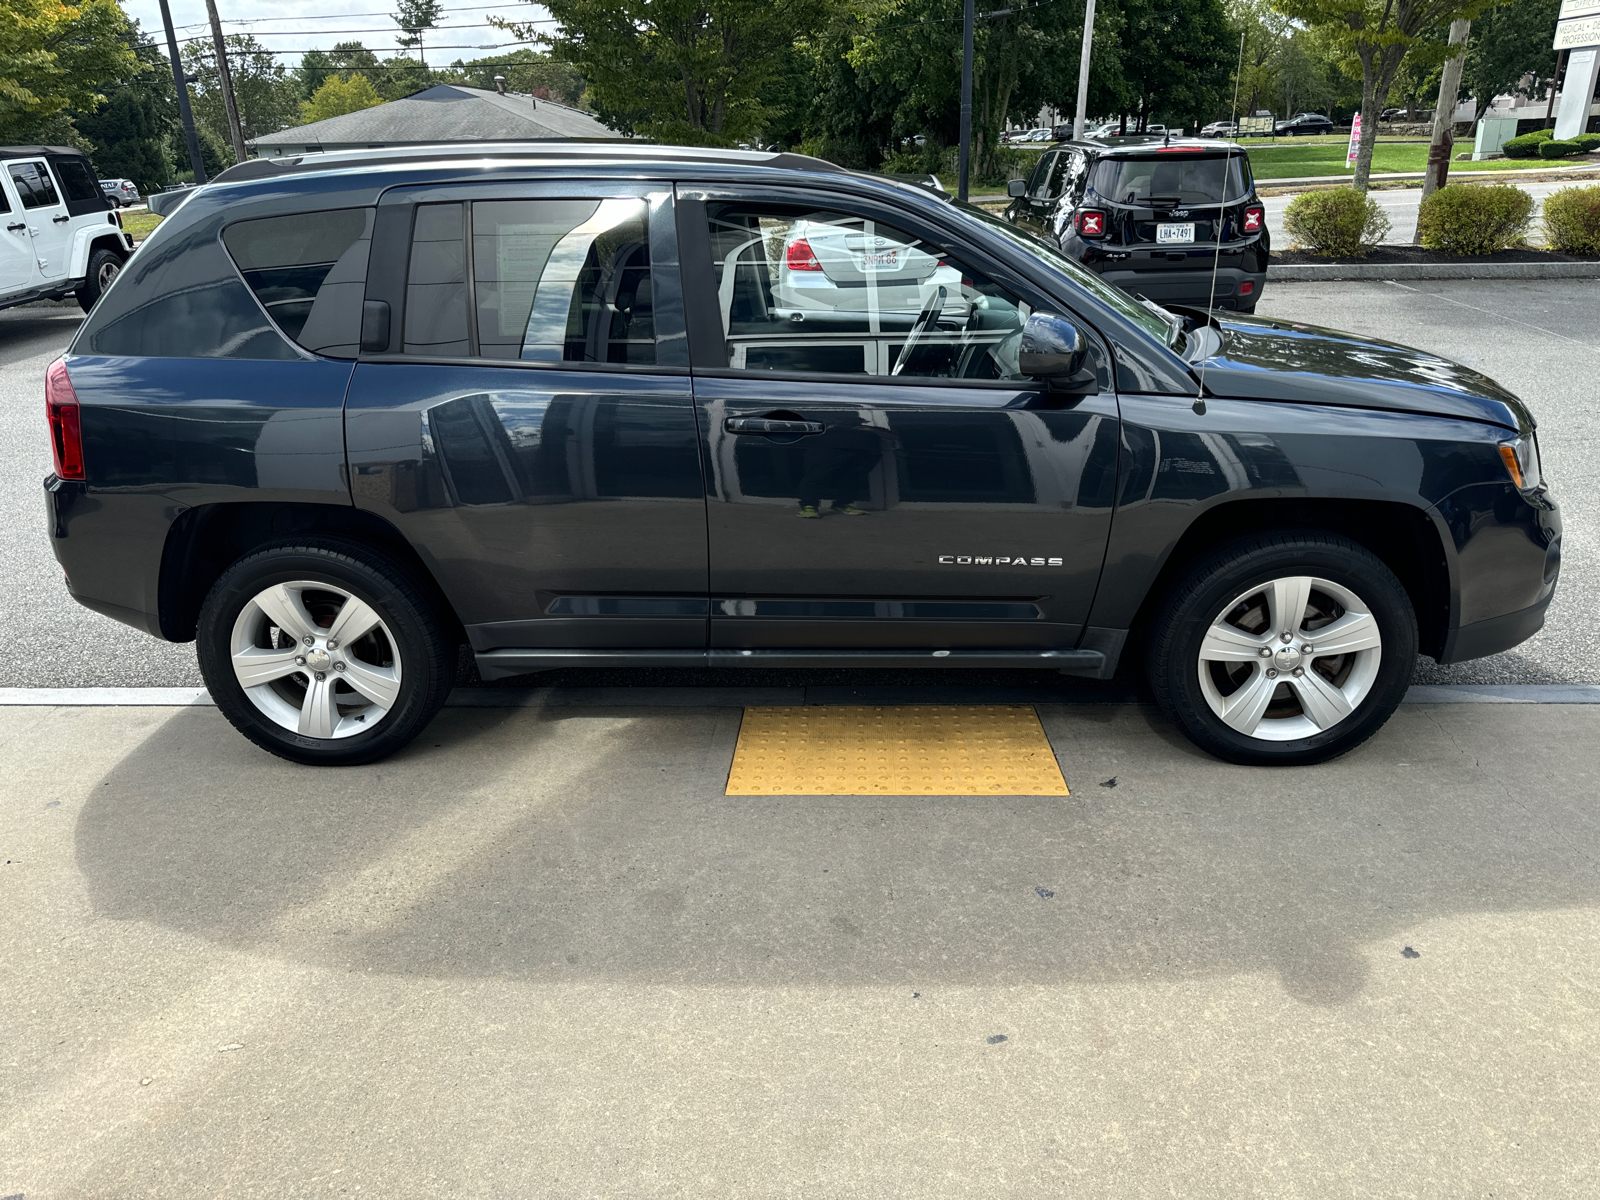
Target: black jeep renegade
632 405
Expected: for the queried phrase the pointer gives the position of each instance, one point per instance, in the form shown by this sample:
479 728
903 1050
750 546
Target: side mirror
1016 188
1053 351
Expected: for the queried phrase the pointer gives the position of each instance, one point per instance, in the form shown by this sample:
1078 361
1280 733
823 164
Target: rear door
44 211
528 421
879 474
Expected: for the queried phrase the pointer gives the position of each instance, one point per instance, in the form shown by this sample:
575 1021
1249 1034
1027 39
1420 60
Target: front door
879 473
530 427
17 270
45 212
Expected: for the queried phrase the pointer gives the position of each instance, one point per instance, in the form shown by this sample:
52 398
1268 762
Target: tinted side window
550 281
76 181
309 271
5 201
831 292
34 185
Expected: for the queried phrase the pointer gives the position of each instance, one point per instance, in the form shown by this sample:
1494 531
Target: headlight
1521 457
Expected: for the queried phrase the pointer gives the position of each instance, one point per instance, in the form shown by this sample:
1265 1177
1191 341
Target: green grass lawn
1327 158
140 225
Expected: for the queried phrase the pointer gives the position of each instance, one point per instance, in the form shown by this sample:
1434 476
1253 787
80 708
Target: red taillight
1253 216
66 431
799 256
1091 223
1247 287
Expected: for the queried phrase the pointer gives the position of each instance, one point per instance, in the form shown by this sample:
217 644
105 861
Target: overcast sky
295 25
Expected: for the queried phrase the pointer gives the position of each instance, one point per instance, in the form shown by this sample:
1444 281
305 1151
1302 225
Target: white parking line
716 697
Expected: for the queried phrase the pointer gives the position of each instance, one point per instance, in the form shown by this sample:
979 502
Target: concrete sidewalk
541 954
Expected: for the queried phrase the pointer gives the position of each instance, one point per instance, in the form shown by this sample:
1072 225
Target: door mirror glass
1016 188
1054 351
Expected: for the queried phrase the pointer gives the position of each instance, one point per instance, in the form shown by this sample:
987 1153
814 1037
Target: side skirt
502 664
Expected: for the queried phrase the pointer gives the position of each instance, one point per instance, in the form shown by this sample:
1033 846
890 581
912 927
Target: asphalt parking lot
1535 337
540 953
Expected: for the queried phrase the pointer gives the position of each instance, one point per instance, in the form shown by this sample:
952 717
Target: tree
1380 34
415 18
1508 44
689 71
268 98
1177 59
55 56
131 132
339 96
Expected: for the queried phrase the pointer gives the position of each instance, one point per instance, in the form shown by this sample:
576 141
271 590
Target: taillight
66 431
1247 288
799 256
1253 216
1091 223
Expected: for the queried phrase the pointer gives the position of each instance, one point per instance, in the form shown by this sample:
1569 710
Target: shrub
1526 146
1553 149
1466 218
1589 141
1572 220
1338 222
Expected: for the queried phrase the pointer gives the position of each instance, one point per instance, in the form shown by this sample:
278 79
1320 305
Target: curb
726 697
1552 174
1318 273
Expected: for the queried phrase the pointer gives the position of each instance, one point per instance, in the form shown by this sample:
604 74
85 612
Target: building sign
1355 142
1582 31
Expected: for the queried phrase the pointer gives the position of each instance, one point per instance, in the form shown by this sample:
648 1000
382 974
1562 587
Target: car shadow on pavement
596 845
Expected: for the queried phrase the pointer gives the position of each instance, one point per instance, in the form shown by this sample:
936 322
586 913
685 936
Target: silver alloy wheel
108 271
316 659
1290 658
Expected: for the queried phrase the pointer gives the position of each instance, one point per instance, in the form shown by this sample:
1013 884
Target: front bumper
1508 556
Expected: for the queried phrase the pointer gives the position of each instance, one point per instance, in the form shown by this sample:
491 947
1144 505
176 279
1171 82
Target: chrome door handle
769 425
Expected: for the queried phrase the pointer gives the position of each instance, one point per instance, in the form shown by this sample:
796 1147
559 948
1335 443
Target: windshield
1171 179
1141 314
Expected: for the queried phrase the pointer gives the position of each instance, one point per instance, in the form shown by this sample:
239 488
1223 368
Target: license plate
881 260
1175 235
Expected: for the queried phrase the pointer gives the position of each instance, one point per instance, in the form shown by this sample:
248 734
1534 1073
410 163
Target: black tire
427 658
103 268
1231 571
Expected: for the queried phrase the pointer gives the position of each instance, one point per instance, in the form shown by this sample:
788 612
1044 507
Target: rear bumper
1190 286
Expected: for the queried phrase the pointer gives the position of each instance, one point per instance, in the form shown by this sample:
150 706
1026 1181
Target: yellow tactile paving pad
894 750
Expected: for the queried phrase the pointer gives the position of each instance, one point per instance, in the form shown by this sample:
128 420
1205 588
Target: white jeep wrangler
58 233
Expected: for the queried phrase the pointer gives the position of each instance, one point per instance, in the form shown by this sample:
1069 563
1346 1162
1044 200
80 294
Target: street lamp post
1083 71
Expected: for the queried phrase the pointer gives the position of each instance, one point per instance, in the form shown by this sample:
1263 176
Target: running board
502 664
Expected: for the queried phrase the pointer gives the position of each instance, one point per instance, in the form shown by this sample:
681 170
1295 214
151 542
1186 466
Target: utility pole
965 155
182 85
226 76
1083 72
1444 112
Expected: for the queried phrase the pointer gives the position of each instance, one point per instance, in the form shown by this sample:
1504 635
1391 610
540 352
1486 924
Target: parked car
122 192
1221 129
1177 222
345 411
59 239
1305 125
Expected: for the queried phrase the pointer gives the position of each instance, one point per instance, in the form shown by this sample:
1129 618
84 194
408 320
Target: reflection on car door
878 471
530 428
45 212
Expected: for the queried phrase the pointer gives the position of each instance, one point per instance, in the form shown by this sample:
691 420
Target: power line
205 37
325 49
342 16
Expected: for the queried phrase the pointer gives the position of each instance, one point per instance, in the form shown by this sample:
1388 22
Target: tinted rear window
1172 179
309 271
77 181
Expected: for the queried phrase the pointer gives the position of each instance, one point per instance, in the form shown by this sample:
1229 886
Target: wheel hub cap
1287 659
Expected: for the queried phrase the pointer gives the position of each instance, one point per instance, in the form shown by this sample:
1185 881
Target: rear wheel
323 652
1284 649
104 266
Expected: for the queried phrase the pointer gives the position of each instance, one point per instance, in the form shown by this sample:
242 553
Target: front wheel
1285 649
323 652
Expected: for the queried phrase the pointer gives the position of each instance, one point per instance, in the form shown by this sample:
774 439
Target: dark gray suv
342 413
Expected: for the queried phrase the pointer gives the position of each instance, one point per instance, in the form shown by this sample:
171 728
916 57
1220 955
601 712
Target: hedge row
1541 143
1572 220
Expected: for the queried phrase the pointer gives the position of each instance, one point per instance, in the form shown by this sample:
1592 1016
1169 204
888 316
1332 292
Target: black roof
1143 143
614 153
38 151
